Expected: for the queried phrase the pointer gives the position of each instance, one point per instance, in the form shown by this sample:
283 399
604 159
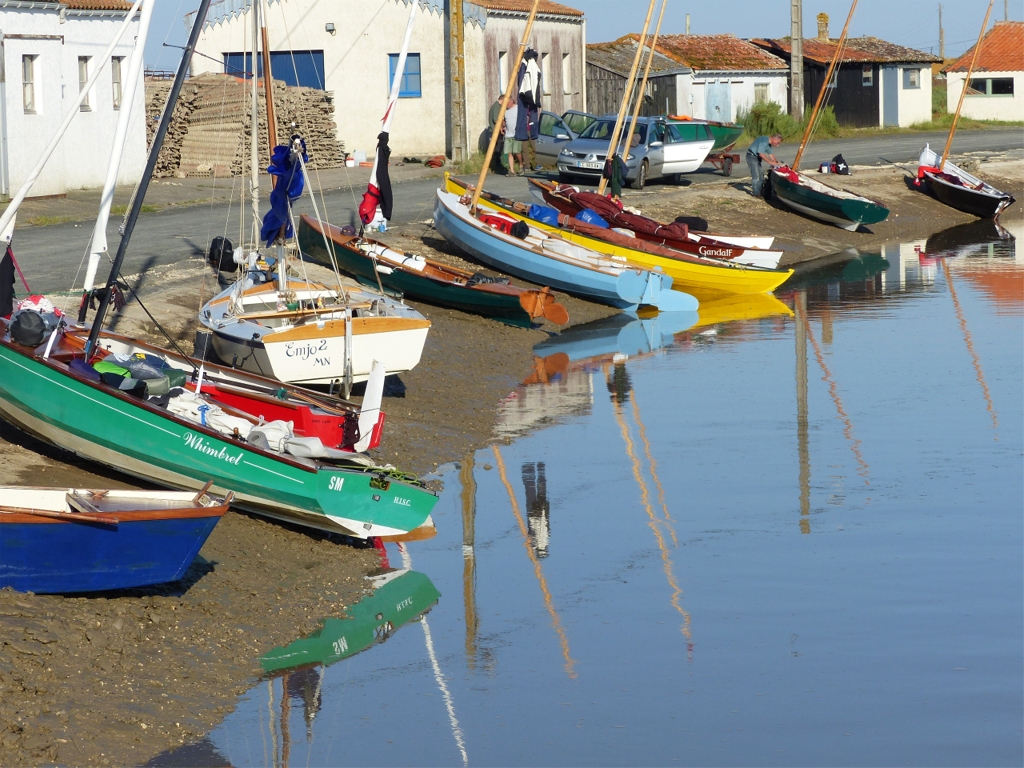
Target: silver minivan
662 151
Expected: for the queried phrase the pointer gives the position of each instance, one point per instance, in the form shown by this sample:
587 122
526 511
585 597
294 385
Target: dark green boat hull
412 285
845 212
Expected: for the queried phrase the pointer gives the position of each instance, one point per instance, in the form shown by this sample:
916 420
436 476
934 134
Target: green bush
828 127
766 118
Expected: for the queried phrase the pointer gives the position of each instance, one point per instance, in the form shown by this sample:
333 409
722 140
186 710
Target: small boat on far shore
59 540
958 189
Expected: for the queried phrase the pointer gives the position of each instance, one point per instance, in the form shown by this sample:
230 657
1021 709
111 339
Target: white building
997 85
46 50
728 76
349 48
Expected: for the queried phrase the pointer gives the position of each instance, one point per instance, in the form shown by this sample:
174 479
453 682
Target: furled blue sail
285 165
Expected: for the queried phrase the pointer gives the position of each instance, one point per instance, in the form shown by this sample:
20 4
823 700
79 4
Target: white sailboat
290 327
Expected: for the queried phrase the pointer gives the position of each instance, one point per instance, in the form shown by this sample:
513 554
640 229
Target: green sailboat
305 473
399 597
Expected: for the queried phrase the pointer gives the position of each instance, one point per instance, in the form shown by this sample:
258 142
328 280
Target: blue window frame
304 68
411 87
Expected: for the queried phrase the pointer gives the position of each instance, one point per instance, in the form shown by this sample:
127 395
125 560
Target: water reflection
634 589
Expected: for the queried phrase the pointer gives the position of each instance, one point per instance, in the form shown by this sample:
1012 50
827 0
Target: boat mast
254 150
805 139
614 143
513 76
147 174
127 107
647 72
268 88
967 84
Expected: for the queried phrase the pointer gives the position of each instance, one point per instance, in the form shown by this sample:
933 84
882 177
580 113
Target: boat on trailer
65 540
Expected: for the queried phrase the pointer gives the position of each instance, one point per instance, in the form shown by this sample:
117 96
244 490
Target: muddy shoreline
118 679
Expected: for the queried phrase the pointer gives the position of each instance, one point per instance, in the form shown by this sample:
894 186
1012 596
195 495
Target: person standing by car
513 148
761 151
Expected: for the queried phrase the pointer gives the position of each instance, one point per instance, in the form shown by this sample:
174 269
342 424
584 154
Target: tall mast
513 75
254 149
967 84
824 87
268 88
647 72
129 98
147 174
614 143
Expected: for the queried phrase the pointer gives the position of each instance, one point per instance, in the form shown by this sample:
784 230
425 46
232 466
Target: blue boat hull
628 290
63 557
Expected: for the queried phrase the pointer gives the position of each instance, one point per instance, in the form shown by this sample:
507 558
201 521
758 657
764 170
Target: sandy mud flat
117 679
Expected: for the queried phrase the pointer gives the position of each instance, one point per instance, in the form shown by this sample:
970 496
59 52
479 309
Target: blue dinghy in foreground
547 259
56 540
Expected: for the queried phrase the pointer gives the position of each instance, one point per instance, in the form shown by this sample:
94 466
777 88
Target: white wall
81 158
987 107
355 64
690 92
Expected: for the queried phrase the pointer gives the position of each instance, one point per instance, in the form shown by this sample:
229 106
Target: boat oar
73 517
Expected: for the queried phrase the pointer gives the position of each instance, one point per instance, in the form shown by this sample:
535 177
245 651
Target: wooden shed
608 66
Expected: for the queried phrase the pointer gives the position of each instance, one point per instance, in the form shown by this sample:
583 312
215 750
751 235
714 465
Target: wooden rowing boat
959 189
426 279
59 540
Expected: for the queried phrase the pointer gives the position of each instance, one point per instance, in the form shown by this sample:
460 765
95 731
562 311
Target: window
760 93
28 84
550 125
911 78
689 132
578 121
545 73
566 74
83 78
305 68
411 87
115 80
990 86
502 71
835 78
867 75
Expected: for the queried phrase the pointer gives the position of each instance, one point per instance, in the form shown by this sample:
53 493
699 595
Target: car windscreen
601 130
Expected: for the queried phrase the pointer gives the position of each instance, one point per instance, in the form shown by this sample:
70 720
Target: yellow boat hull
704 281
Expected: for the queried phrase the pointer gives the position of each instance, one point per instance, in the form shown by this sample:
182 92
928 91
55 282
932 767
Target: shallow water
792 539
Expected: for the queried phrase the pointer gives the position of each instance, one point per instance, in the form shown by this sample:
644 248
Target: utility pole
942 36
796 61
457 27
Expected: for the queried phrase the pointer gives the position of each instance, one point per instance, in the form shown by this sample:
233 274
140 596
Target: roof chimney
823 27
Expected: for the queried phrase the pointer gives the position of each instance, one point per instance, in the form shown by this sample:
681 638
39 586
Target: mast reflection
472 621
803 451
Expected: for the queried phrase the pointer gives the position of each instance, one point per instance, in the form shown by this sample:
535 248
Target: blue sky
913 23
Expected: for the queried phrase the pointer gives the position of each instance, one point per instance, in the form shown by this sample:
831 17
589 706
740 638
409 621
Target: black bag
222 254
28 327
840 165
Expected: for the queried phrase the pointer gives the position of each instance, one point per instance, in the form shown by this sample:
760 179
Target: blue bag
587 216
543 214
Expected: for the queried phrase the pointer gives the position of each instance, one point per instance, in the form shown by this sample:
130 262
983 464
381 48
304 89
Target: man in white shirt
513 148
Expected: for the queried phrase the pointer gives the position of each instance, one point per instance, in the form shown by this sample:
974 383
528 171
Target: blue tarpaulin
290 183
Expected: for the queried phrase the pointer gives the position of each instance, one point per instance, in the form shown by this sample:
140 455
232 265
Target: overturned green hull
401 598
820 201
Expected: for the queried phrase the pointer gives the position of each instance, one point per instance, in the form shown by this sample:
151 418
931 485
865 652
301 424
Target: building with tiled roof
876 82
997 85
49 50
713 77
608 66
349 48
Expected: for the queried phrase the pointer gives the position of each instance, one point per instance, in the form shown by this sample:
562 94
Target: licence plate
595 166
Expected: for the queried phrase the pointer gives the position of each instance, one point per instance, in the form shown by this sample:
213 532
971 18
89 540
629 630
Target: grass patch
471 164
121 210
45 221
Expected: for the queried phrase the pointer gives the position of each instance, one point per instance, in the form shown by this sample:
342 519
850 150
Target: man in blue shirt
761 150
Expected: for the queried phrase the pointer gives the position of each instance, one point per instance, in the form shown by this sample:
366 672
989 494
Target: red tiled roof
1002 50
524 6
97 5
717 52
618 55
865 49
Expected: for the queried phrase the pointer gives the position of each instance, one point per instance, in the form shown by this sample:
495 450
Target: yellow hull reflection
747 307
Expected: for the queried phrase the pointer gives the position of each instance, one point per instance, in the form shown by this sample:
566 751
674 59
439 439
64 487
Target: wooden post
942 36
796 60
647 72
457 83
967 84
824 87
614 143
512 77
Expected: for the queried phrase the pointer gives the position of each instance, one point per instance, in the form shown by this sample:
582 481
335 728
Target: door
656 150
718 102
554 136
686 146
890 96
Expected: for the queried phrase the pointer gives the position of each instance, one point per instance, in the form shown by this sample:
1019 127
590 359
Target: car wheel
641 177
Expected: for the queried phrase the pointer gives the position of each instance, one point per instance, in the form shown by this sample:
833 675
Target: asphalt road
52 256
